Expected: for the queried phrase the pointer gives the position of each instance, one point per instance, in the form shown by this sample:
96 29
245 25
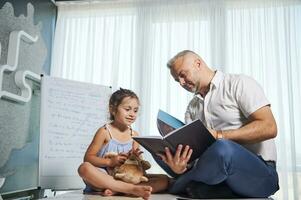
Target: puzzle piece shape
12 64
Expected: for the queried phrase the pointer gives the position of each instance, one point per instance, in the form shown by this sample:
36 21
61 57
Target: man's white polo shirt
228 104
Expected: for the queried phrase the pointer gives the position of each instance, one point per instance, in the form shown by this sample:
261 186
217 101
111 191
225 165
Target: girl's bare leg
108 192
158 182
97 179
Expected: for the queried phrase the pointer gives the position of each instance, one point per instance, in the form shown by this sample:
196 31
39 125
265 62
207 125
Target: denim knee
223 150
215 164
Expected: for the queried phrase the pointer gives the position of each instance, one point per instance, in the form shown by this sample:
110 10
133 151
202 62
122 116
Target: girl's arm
145 164
136 146
96 144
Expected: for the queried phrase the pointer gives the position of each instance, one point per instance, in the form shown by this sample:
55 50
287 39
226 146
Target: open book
174 132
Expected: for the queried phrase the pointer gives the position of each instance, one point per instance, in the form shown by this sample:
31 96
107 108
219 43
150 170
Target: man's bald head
182 54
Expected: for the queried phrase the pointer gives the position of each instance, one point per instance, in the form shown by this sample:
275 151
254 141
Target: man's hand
178 162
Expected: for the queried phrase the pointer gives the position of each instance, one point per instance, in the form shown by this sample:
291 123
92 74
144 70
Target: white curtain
127 44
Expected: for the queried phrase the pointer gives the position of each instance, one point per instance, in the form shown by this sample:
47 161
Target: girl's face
126 113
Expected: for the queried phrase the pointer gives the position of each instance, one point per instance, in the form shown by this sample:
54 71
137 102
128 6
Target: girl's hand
136 152
135 149
178 162
116 160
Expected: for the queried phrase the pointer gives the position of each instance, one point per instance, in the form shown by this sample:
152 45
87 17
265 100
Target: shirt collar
217 78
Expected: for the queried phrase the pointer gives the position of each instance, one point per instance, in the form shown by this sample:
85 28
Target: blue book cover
166 123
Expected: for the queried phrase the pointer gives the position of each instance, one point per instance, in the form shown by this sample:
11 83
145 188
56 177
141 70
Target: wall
19 123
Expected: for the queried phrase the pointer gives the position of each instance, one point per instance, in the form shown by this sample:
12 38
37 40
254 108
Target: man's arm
261 126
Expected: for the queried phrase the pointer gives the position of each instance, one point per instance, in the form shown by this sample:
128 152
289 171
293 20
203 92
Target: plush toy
132 170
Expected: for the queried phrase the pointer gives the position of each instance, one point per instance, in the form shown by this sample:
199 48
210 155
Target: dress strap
131 131
107 127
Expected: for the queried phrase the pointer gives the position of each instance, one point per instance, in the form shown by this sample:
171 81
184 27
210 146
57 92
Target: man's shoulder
238 79
234 76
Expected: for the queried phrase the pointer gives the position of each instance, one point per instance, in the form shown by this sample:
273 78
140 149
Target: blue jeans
226 162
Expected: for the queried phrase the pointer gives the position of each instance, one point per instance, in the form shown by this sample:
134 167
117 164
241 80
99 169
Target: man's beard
192 90
196 88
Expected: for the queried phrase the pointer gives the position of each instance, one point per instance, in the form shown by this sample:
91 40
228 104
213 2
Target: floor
77 195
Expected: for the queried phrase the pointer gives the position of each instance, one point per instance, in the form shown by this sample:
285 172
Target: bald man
242 161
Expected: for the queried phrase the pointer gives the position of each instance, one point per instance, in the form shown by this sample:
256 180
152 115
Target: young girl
116 136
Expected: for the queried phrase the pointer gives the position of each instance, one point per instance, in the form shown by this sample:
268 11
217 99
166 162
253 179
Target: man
242 161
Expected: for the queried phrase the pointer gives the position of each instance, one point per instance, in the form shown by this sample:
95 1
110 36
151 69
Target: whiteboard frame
61 182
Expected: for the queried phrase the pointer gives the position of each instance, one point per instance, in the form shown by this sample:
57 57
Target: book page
164 128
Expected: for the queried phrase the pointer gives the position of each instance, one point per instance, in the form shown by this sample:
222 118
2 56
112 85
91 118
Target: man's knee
220 153
215 164
223 149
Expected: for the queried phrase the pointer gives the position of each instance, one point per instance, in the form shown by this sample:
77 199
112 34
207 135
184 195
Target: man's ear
198 63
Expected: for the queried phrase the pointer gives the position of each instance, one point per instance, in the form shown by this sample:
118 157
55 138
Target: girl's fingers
121 161
123 157
123 154
139 152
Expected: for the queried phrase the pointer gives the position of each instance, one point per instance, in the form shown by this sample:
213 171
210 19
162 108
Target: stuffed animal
132 170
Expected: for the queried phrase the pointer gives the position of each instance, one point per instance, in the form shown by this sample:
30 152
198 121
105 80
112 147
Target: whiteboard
71 113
